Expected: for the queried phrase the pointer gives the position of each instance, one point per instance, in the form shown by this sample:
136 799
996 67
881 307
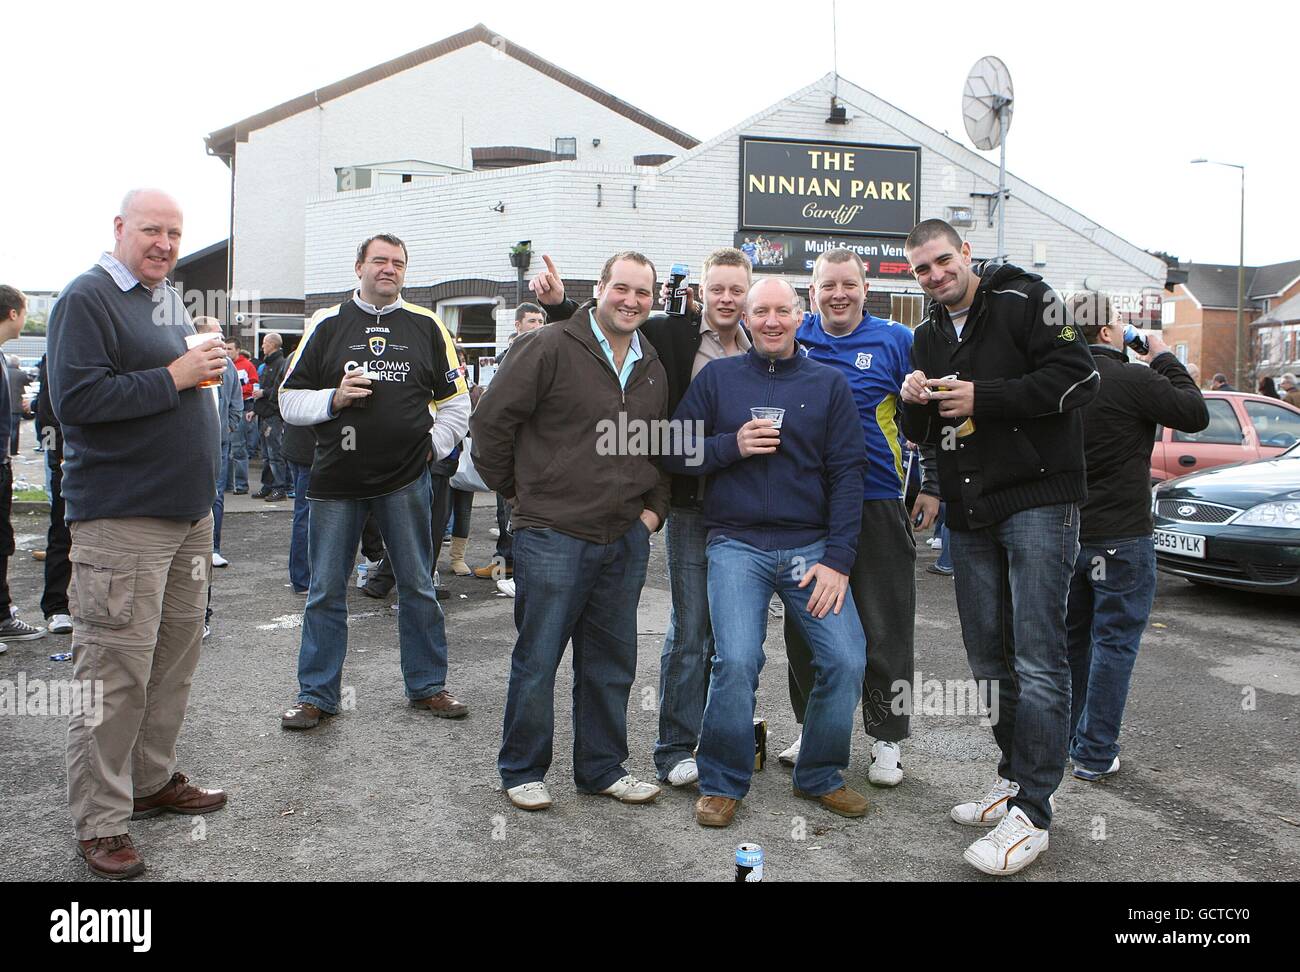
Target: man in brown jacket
565 432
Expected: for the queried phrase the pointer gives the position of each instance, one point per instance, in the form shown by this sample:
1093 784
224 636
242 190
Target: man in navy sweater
783 508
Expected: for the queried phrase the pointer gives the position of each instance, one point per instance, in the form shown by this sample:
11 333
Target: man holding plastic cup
139 478
782 512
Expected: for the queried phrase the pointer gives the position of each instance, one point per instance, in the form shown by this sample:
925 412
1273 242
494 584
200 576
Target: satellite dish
986 103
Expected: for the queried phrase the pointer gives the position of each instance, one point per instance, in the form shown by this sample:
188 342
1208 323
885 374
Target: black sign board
829 187
787 253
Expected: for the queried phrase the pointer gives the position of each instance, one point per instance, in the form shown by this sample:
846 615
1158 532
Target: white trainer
684 773
1010 847
494 533
60 624
886 764
631 790
1082 772
218 560
790 756
936 543
530 796
989 809
506 587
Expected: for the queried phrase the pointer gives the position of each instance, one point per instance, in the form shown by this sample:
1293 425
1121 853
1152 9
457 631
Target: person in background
239 459
462 500
1267 388
1290 390
18 382
275 483
1220 383
528 317
58 541
230 411
13 315
1195 372
1114 581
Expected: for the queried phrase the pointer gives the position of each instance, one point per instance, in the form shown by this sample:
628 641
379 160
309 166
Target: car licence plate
1181 544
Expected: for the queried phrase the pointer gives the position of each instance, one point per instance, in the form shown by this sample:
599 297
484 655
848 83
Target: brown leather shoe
715 811
845 802
111 857
444 705
179 796
303 715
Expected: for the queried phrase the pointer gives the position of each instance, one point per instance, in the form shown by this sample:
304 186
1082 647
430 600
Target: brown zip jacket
543 430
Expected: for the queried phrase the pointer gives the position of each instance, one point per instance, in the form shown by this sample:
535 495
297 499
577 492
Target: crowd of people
789 479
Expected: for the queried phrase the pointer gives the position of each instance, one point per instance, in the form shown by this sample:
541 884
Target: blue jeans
742 580
569 588
1111 594
945 555
688 643
299 564
334 530
1011 596
219 504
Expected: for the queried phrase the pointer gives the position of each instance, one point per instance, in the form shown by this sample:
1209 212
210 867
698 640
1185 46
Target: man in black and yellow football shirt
378 379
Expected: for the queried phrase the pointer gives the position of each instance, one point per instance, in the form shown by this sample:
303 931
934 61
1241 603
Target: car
1243 427
1234 526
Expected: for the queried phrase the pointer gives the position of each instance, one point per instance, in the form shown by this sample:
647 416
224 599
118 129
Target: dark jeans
1012 587
1111 594
6 535
272 439
505 552
883 581
372 541
565 589
15 426
299 564
687 654
462 507
381 580
58 541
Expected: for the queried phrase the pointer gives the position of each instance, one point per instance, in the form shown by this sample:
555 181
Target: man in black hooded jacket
1000 377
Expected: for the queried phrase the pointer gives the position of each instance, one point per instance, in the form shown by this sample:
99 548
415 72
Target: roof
222 142
942 145
1215 284
1287 312
1272 280
197 255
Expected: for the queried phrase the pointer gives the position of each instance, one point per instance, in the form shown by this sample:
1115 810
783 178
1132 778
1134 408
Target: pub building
503 156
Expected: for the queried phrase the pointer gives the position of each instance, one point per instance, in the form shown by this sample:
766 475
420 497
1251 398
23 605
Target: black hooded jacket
1032 374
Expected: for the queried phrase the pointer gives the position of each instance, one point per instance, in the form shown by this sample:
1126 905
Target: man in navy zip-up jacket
782 507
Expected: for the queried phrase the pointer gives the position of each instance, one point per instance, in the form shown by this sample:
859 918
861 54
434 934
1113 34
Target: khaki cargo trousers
138 593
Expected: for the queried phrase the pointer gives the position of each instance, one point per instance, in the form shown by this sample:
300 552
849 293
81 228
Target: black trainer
14 629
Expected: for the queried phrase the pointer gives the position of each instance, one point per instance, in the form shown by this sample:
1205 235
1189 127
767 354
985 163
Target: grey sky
1112 99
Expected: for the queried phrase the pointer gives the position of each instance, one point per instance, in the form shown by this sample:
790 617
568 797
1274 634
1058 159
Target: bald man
139 479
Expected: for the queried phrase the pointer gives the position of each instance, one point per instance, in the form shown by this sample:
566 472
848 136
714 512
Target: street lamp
1241 271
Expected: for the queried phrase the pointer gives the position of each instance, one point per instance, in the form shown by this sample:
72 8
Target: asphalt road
1208 789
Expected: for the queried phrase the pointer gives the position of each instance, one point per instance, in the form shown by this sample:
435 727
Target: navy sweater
811 488
133 444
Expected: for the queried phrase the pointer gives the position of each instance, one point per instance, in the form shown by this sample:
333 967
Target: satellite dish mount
986 105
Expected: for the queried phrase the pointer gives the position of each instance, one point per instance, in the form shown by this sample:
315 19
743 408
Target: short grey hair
207 325
1289 377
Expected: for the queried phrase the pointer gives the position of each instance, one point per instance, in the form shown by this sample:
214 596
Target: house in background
1200 318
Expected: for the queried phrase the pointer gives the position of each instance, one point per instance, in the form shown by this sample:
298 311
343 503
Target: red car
1243 428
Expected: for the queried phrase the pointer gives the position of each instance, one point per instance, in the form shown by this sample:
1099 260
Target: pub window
907 309
566 148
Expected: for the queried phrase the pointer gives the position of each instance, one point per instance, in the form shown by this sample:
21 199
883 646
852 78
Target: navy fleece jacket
811 488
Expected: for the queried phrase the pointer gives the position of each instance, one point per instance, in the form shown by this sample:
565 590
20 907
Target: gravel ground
1208 789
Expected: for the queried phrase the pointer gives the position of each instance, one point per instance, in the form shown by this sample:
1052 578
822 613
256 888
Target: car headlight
1286 515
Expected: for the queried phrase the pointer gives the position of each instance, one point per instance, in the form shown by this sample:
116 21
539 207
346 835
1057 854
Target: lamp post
1239 377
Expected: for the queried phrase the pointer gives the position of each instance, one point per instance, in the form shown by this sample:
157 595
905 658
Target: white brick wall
435 112
684 210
